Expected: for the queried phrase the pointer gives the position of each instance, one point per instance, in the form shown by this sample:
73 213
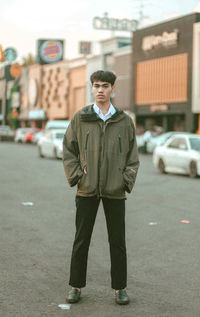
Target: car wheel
161 166
40 152
193 169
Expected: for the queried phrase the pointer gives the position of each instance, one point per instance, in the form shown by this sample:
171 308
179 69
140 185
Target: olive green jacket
100 157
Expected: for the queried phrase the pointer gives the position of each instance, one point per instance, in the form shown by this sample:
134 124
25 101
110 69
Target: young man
100 156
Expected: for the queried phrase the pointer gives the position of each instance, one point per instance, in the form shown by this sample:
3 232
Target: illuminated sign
2 58
154 41
10 54
50 51
113 24
15 70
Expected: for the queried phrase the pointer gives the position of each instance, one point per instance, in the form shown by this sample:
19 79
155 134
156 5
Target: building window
108 62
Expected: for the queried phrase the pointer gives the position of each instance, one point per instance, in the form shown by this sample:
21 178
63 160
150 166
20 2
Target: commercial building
114 56
166 74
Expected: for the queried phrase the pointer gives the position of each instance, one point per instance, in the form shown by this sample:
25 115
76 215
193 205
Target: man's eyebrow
106 84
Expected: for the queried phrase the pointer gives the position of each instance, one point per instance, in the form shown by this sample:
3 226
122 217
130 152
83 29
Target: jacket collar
88 114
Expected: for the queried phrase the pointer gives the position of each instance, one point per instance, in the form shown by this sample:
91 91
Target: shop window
122 44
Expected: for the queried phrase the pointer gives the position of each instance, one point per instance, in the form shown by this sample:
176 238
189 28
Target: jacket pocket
86 140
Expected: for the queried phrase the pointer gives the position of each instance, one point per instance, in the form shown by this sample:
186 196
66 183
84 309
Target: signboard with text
114 24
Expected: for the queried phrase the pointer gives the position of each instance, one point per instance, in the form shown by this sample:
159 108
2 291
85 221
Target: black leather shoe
73 296
121 297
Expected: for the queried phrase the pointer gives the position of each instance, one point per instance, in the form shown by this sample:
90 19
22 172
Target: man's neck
104 107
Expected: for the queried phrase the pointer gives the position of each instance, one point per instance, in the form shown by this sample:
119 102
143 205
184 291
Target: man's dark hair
103 76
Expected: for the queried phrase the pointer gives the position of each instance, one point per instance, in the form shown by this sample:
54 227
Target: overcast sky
22 22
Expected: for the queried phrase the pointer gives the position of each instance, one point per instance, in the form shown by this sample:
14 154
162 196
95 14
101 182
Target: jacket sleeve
71 160
132 162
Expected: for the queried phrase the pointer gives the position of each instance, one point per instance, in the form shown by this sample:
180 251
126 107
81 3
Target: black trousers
86 211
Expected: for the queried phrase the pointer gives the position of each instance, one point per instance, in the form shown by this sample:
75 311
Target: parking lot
37 231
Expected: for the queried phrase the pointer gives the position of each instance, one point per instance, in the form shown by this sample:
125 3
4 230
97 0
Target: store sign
85 48
32 92
154 41
113 24
10 54
2 58
15 70
50 51
155 108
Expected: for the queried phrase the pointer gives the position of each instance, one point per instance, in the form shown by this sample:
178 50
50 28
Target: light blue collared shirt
110 113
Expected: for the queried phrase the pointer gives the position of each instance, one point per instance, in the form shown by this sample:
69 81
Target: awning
37 115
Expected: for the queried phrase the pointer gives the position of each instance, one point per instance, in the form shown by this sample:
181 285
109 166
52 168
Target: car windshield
163 137
195 143
59 135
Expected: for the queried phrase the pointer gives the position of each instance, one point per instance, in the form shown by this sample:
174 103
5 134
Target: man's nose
100 89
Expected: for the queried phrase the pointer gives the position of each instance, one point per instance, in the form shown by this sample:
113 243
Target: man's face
102 91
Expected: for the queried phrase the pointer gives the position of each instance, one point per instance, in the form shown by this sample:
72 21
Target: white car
56 124
180 154
20 134
159 140
37 136
51 143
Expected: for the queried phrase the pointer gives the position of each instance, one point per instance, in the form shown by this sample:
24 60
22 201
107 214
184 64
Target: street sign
10 54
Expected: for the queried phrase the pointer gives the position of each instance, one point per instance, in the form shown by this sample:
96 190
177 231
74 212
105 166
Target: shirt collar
111 109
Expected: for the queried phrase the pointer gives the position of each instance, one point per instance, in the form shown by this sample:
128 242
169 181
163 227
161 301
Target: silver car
50 144
180 154
6 133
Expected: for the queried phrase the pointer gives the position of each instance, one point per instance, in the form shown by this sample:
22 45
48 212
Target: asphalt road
36 242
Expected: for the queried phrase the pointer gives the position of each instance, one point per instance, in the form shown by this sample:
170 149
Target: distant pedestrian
100 156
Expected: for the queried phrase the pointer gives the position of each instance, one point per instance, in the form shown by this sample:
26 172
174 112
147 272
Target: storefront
162 64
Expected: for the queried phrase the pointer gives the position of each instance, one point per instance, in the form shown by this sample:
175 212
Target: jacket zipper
86 142
120 143
102 155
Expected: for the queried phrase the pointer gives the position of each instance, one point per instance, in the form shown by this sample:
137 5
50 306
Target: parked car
159 140
50 144
37 136
29 135
142 141
6 133
20 134
180 154
57 124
